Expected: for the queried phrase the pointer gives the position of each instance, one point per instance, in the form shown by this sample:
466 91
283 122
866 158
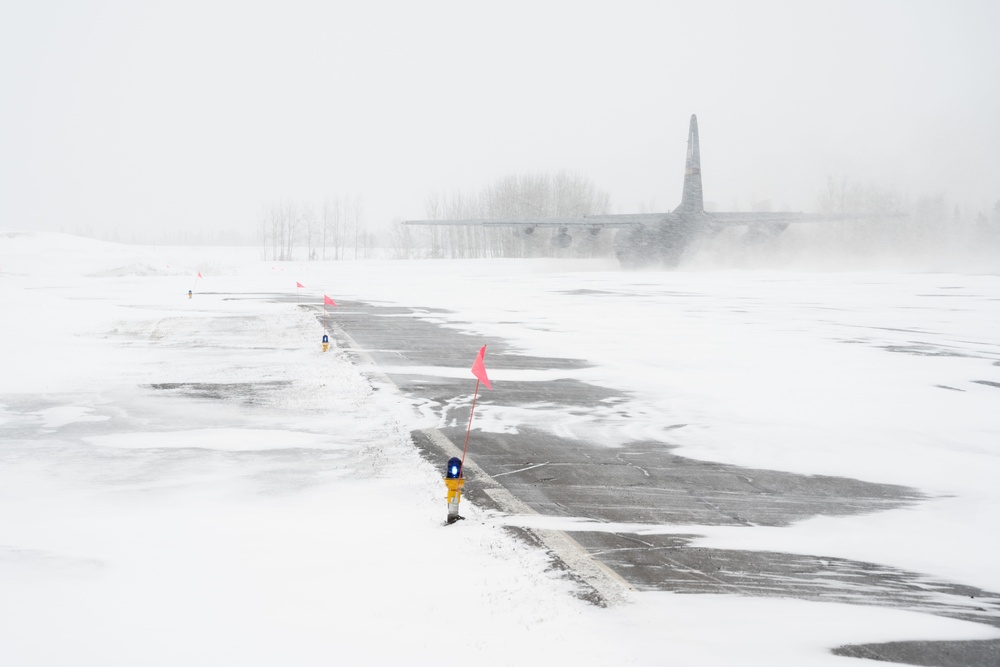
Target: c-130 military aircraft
650 239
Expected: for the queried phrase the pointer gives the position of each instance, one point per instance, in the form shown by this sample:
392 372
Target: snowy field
193 482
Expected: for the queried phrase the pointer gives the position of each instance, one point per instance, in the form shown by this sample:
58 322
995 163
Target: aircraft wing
756 218
626 219
588 221
730 219
500 222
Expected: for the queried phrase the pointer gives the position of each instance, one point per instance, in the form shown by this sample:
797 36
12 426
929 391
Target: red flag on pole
199 274
327 301
298 284
479 368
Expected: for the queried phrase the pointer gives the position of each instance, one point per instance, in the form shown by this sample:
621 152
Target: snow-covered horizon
193 481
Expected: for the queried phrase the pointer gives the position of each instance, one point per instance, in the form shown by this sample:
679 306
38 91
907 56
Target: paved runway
645 482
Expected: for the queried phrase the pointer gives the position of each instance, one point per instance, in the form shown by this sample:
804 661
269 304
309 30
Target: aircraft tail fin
692 199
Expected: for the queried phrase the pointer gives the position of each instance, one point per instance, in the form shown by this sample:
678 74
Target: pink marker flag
199 274
298 284
327 301
479 368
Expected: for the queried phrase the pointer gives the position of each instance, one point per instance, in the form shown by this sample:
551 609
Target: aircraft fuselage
660 243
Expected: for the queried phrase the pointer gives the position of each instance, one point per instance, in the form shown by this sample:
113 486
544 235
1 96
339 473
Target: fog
144 121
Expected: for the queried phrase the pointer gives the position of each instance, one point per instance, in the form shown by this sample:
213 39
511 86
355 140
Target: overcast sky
190 115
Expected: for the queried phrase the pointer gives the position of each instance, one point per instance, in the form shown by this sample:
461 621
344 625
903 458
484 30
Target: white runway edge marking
609 585
612 588
511 472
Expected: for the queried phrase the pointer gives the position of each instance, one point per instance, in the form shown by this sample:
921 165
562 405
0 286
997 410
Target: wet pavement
645 482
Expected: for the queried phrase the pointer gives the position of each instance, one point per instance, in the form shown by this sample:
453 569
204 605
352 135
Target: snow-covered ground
192 481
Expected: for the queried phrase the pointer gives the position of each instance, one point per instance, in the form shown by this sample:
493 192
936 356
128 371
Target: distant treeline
541 195
880 222
933 231
171 238
882 228
335 230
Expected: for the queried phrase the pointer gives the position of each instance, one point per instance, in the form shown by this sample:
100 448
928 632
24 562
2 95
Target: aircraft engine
761 232
561 239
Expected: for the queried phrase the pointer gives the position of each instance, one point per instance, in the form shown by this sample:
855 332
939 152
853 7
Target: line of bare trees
336 230
541 195
931 233
931 227
934 231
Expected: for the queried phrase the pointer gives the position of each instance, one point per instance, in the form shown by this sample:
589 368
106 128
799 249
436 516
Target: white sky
190 115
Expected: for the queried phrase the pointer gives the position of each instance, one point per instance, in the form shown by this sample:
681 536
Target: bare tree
335 220
327 221
291 218
264 219
401 240
309 224
539 195
357 208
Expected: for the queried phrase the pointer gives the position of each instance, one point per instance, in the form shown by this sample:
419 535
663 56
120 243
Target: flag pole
479 370
327 301
469 430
